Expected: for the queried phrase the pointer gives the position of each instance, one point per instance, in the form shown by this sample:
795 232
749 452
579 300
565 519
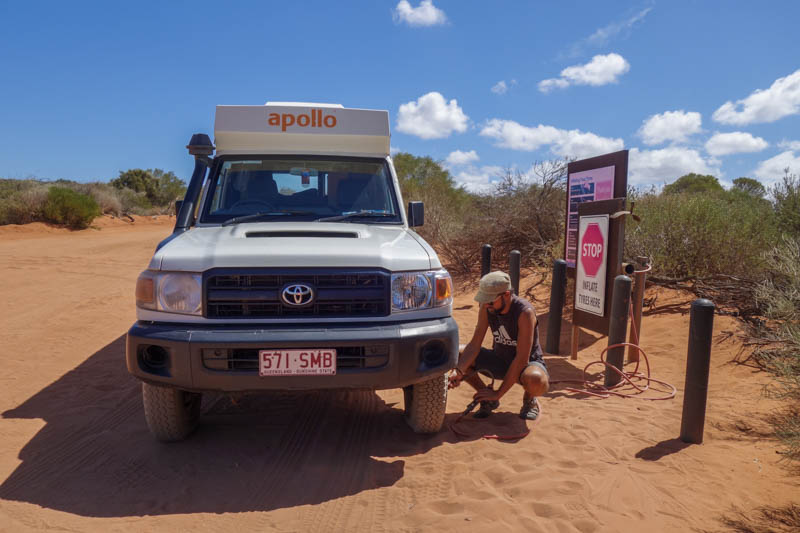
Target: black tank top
505 330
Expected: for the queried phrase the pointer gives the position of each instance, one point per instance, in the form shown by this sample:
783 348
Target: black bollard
618 327
486 259
698 361
513 266
558 290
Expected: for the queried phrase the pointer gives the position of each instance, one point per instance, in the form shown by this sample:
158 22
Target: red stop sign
592 249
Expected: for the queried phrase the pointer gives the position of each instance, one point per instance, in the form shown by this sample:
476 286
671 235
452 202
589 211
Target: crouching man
516 355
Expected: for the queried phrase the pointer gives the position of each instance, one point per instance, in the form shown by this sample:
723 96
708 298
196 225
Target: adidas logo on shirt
501 336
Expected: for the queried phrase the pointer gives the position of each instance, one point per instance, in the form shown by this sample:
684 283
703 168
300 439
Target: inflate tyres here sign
590 280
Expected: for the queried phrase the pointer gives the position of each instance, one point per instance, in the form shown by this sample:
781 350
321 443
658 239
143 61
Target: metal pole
639 279
558 289
617 328
486 259
513 266
698 361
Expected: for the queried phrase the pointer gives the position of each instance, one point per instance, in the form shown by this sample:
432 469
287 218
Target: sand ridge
76 454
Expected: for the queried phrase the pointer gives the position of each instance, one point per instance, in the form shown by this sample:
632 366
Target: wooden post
576 332
635 337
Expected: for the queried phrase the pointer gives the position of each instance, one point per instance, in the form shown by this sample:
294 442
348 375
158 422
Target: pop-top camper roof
301 128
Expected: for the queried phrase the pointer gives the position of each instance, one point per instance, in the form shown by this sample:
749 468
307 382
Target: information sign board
590 180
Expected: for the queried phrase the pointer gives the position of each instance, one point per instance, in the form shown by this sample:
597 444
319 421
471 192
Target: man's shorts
487 360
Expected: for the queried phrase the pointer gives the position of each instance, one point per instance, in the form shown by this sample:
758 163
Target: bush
106 196
24 206
702 234
779 295
70 208
525 213
160 188
786 195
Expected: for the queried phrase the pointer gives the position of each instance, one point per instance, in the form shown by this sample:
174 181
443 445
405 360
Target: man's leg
536 382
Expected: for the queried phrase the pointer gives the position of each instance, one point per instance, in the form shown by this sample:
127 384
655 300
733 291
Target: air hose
633 384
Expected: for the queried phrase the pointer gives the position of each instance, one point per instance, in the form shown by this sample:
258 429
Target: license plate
302 362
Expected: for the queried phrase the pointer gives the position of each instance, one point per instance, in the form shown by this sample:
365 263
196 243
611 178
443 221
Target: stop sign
592 246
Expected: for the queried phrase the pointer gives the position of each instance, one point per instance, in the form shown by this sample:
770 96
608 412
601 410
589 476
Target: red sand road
75 453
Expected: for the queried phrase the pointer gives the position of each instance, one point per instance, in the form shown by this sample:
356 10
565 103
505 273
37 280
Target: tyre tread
428 402
167 416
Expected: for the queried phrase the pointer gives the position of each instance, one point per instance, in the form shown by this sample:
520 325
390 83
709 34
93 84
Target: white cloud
601 70
737 142
789 145
764 105
426 14
602 36
655 167
431 117
479 179
564 143
500 87
393 150
670 126
772 169
458 158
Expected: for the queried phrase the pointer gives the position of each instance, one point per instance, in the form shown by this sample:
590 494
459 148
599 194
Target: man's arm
525 329
471 350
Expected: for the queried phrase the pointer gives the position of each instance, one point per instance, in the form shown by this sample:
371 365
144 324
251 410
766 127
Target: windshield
302 189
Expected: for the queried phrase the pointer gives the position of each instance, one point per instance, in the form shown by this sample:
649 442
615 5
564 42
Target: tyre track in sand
350 460
69 453
296 441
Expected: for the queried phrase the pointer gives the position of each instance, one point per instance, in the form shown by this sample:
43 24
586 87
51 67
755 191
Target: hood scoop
301 234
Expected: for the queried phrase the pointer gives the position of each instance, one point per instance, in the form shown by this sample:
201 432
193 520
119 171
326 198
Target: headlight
172 292
421 290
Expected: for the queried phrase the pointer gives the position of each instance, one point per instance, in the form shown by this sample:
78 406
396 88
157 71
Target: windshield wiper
266 214
358 214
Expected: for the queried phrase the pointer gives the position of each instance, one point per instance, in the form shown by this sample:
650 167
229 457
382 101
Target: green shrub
24 206
786 195
10 187
134 202
696 235
70 208
106 196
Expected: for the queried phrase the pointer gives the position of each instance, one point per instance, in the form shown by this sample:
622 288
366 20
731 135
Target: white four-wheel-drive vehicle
292 266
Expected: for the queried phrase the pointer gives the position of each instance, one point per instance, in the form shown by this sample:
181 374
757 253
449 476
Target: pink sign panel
585 186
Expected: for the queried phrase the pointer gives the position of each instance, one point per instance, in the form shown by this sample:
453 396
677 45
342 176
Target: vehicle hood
295 244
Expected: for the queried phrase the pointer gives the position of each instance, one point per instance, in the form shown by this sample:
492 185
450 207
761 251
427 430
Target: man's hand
487 395
455 379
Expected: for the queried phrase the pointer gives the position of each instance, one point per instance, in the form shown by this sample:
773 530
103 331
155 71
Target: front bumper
403 354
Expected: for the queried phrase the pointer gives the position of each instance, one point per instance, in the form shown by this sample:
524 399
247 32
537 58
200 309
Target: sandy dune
75 453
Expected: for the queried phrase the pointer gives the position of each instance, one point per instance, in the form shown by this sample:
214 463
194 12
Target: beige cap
491 286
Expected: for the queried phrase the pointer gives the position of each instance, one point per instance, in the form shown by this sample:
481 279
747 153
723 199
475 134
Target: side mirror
416 214
178 204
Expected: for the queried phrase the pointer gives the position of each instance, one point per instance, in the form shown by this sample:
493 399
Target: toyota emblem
297 295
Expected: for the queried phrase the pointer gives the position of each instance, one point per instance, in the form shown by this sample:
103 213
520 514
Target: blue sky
90 89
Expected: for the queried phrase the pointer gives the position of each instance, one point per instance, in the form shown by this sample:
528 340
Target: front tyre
171 414
425 404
